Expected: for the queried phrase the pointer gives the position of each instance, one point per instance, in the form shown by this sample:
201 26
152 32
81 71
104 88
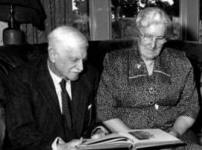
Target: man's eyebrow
85 58
77 58
150 35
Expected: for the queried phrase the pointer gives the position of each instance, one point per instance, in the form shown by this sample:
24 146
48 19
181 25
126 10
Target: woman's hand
174 133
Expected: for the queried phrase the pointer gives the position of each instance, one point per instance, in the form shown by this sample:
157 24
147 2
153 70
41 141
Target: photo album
135 139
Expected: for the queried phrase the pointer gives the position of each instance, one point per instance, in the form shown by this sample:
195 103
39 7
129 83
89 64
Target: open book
136 139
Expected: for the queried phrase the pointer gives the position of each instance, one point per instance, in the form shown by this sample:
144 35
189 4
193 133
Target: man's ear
51 54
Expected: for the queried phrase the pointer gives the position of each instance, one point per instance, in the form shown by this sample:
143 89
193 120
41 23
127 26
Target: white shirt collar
56 79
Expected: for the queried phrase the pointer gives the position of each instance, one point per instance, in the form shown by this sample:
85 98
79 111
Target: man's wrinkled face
152 40
69 60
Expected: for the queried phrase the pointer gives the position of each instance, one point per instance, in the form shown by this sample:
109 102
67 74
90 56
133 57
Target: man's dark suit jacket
33 115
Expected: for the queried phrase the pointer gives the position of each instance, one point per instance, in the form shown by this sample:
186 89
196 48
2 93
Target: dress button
156 106
151 102
138 66
152 90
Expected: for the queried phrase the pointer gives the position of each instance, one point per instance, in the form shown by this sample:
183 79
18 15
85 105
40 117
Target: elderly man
51 101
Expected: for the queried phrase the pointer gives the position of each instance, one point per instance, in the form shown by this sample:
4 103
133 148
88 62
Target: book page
140 138
106 139
110 141
152 137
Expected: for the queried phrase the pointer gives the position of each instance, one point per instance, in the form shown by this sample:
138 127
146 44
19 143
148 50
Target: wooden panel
189 12
100 19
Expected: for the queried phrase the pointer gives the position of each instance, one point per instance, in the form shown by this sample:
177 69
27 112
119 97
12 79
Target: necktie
66 105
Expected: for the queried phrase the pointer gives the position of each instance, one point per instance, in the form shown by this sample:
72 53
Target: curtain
58 12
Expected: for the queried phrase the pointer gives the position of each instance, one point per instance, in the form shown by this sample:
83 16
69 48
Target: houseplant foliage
125 11
129 8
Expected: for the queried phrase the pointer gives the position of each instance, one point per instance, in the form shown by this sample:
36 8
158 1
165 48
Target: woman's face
152 40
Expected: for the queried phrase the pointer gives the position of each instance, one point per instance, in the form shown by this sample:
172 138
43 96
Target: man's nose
80 65
153 42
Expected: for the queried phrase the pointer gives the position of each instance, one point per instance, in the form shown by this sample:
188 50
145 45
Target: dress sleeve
105 100
189 101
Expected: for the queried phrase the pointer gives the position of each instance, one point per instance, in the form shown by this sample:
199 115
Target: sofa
13 56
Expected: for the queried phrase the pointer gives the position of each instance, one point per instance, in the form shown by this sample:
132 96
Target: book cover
136 139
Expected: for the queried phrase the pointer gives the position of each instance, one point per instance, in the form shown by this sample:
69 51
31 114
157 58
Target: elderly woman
149 86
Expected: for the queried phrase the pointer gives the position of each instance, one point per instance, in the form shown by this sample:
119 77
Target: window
80 16
123 13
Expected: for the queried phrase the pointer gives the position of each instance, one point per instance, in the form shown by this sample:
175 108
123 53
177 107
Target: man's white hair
67 35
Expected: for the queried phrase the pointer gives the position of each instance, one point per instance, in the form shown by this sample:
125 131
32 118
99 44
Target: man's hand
72 145
59 144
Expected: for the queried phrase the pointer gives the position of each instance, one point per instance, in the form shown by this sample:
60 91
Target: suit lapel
46 88
79 104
